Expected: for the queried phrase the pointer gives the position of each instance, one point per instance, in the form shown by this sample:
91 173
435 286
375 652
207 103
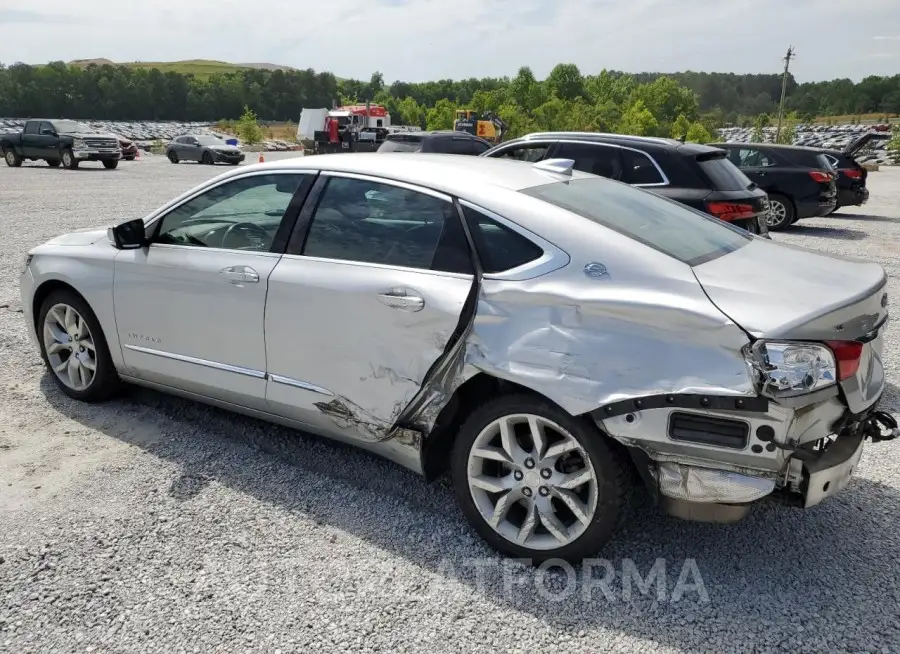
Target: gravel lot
152 524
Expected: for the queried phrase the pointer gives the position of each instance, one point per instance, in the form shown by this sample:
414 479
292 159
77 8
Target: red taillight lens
847 355
819 176
852 173
730 210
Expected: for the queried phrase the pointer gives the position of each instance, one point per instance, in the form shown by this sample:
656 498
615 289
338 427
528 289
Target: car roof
435 133
628 140
774 146
450 173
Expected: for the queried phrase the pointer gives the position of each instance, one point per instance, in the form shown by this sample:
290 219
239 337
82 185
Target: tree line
646 103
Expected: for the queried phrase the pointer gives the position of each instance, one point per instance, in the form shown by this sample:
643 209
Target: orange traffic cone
262 159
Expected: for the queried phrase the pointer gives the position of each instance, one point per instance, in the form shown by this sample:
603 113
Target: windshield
71 127
405 144
665 225
206 139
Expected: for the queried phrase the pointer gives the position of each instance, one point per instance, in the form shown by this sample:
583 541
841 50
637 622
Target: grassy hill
198 67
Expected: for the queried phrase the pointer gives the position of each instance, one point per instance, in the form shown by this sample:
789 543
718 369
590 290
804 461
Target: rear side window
638 168
665 225
530 152
722 174
601 160
753 158
499 247
810 159
404 144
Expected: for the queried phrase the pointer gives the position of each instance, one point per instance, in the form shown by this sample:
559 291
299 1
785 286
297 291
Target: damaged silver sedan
548 338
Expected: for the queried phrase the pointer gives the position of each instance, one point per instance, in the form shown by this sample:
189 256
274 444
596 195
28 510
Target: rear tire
110 164
207 159
561 498
53 163
781 213
55 332
68 160
12 159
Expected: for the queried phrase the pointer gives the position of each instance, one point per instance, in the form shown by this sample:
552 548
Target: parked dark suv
698 176
851 176
443 142
800 181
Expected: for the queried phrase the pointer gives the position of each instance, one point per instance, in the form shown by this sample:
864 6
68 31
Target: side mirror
128 236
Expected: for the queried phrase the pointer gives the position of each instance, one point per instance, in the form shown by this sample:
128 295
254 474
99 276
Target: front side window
370 222
601 160
531 152
639 168
243 214
753 158
665 225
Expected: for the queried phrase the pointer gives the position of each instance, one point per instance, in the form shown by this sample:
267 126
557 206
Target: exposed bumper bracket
881 426
683 401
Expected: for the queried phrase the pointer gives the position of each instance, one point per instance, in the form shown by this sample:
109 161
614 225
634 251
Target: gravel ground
152 524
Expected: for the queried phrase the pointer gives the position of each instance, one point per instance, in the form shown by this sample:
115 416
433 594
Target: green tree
762 121
893 146
526 91
441 116
697 133
638 120
247 128
680 127
565 82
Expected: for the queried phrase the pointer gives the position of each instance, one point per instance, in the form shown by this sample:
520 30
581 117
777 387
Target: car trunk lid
775 291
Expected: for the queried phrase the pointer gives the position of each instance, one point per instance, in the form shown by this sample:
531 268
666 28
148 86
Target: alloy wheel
777 213
70 347
532 482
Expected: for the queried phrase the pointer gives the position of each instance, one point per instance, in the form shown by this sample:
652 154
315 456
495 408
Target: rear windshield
402 144
683 233
722 174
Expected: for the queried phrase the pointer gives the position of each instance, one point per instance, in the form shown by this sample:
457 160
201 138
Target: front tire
68 160
74 348
111 164
12 159
781 213
535 482
130 157
173 156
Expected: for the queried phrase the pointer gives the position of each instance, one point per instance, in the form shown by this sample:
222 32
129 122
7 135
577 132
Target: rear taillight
730 211
847 354
852 173
819 176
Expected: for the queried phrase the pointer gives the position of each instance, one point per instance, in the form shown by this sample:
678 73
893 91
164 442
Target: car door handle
240 274
403 300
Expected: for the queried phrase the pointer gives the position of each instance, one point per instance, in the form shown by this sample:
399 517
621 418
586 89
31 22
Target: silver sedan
547 337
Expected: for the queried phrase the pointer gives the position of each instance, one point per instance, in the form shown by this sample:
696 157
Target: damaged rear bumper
713 466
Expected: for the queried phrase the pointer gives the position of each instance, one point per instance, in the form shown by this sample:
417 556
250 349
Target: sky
419 40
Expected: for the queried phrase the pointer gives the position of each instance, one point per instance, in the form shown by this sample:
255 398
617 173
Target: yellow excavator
488 125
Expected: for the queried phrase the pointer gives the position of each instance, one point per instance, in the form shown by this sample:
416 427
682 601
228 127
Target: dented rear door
357 316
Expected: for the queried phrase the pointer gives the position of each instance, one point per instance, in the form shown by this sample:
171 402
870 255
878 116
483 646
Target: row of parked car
756 186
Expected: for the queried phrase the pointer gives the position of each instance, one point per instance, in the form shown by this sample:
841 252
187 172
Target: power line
787 65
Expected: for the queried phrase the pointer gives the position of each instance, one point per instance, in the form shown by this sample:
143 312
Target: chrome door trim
195 248
296 383
553 258
388 182
224 178
249 372
383 266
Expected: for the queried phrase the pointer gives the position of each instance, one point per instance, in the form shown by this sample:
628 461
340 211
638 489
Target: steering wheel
248 231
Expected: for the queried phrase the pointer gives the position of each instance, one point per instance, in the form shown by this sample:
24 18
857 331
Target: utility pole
787 65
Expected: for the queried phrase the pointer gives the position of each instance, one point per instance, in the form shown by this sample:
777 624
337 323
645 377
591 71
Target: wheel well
473 393
43 291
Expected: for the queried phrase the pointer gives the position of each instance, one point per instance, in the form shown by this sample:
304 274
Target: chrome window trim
215 182
553 258
227 367
195 248
387 182
656 165
498 150
381 266
296 383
